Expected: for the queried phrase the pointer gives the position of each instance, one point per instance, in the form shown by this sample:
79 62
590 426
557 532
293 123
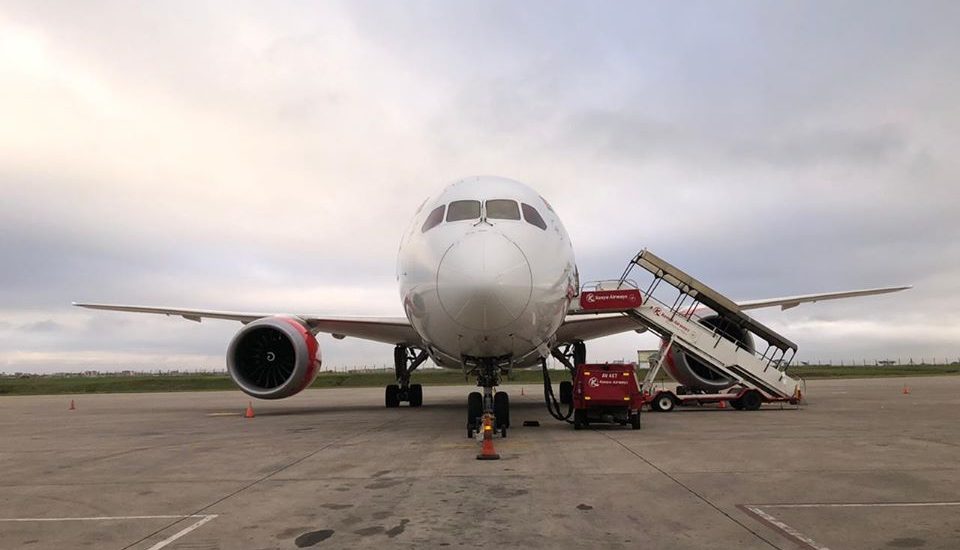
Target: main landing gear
496 403
406 359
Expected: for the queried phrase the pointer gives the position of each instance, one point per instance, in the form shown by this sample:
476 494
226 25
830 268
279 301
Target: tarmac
861 465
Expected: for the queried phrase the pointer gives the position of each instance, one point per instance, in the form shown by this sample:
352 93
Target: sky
266 156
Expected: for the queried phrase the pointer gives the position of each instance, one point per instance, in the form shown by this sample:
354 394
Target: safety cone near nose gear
906 389
486 451
249 412
73 406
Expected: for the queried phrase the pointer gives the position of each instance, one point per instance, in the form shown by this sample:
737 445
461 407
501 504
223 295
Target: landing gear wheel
566 392
752 400
579 419
635 420
474 412
501 411
416 395
663 403
391 396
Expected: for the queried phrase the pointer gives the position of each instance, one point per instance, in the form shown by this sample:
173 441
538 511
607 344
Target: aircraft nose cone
484 281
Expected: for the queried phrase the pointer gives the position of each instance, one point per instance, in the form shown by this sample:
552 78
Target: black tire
736 404
566 392
416 395
664 402
391 396
635 420
579 419
752 400
474 411
501 410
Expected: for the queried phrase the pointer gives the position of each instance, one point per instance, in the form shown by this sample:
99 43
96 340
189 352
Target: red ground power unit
606 392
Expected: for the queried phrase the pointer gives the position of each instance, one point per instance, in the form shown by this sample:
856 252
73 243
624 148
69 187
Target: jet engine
274 357
692 373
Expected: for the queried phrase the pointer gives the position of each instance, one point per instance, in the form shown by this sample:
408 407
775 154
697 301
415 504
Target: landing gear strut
496 403
406 359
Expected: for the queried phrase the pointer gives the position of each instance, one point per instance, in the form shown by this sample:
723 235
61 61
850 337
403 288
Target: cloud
268 157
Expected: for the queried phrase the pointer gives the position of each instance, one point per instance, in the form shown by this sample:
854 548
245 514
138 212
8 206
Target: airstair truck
714 356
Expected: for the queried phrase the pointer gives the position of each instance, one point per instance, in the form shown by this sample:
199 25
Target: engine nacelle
273 357
693 373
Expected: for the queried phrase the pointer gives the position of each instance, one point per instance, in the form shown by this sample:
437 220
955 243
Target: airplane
486 273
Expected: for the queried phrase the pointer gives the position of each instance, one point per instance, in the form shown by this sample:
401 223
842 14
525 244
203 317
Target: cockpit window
533 217
463 210
502 209
434 219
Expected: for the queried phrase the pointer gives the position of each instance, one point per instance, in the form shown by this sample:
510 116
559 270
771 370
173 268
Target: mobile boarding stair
757 377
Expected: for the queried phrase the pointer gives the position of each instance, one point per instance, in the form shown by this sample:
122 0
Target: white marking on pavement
104 518
167 541
797 535
862 505
204 518
787 529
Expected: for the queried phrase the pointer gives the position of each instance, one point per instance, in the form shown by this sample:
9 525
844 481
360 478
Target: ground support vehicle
608 393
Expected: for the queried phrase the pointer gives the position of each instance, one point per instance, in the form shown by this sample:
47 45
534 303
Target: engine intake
274 357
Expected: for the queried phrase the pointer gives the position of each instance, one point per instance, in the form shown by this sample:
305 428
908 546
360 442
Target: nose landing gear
488 402
406 359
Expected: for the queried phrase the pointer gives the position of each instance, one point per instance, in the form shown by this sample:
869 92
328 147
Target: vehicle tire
664 402
501 410
737 404
653 405
579 419
391 396
752 400
635 420
416 395
474 410
566 392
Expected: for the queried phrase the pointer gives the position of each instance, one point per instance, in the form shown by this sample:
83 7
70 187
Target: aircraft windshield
463 210
433 220
533 217
502 209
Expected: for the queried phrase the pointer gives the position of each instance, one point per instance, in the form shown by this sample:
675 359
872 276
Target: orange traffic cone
73 406
249 413
723 404
521 390
486 450
906 389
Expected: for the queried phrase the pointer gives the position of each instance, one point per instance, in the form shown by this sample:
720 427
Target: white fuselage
486 270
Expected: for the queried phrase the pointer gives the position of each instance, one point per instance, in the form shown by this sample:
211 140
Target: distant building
643 357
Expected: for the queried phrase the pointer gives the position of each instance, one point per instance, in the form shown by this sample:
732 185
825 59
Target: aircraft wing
794 301
586 327
389 330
